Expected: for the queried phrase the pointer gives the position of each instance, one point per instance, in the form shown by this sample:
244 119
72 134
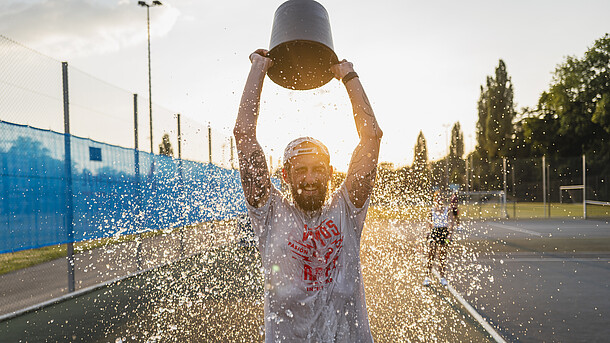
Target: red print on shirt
318 249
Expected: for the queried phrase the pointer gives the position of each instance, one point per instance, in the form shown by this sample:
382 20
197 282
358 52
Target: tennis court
217 296
545 280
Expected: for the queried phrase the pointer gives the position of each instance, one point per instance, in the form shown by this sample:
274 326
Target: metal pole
68 177
544 184
584 187
179 140
504 179
136 150
232 157
182 205
136 187
209 143
149 82
467 175
447 158
548 183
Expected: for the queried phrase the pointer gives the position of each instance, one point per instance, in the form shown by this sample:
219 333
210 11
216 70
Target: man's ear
285 175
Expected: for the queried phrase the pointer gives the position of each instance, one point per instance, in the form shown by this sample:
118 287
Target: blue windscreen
110 194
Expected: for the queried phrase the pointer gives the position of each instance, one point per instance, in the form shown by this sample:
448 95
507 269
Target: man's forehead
309 159
305 146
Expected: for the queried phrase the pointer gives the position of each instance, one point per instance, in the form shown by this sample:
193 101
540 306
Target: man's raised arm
252 163
363 165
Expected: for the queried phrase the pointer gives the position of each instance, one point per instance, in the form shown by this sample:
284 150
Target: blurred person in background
440 225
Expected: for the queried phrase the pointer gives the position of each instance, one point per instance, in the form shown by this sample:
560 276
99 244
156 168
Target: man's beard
308 202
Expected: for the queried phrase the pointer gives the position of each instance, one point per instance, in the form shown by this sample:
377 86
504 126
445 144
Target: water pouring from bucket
301 46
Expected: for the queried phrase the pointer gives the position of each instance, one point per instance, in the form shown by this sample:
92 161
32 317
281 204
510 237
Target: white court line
549 259
514 228
494 334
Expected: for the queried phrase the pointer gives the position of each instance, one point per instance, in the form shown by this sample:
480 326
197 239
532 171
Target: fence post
467 176
136 186
544 184
232 157
68 178
209 143
548 185
504 180
182 195
584 187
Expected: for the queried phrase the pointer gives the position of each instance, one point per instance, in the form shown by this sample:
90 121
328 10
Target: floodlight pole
144 4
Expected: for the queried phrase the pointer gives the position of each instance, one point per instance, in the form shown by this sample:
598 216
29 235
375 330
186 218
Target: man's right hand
252 163
259 57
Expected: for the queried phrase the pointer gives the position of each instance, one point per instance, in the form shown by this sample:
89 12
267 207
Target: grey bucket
301 46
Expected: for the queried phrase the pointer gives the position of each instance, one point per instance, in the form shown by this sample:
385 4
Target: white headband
293 149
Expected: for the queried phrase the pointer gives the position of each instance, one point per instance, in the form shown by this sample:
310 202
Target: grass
521 210
27 258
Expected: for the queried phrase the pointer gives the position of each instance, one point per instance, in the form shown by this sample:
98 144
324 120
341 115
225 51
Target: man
441 229
310 249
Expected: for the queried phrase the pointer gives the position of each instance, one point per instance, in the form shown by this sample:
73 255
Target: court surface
544 280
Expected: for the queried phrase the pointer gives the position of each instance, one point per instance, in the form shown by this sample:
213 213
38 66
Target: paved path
30 286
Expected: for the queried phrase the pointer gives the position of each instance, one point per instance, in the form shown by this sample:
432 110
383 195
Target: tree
456 148
420 156
496 115
165 148
576 106
456 152
417 180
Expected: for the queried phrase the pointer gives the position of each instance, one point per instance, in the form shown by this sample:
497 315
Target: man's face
308 179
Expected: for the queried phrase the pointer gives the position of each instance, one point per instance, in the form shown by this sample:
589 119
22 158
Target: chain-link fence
542 187
84 163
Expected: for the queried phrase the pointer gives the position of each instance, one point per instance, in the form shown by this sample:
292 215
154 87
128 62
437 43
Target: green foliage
573 116
165 148
496 114
418 177
456 148
420 156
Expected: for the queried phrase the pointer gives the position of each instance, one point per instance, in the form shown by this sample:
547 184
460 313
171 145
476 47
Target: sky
421 63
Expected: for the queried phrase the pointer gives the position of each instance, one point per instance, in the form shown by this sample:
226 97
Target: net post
68 179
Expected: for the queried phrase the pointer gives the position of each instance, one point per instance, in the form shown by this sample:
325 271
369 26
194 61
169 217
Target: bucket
301 46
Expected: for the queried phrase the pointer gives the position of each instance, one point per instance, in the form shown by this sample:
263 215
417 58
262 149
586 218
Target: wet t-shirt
313 281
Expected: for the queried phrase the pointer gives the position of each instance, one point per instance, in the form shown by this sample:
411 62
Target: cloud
77 28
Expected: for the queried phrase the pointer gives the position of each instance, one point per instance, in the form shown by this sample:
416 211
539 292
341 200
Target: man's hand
259 58
252 163
341 69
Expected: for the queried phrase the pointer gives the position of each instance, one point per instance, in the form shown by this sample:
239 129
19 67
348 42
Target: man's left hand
341 69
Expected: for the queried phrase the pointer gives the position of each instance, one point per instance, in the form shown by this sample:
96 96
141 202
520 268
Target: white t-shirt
313 281
440 217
